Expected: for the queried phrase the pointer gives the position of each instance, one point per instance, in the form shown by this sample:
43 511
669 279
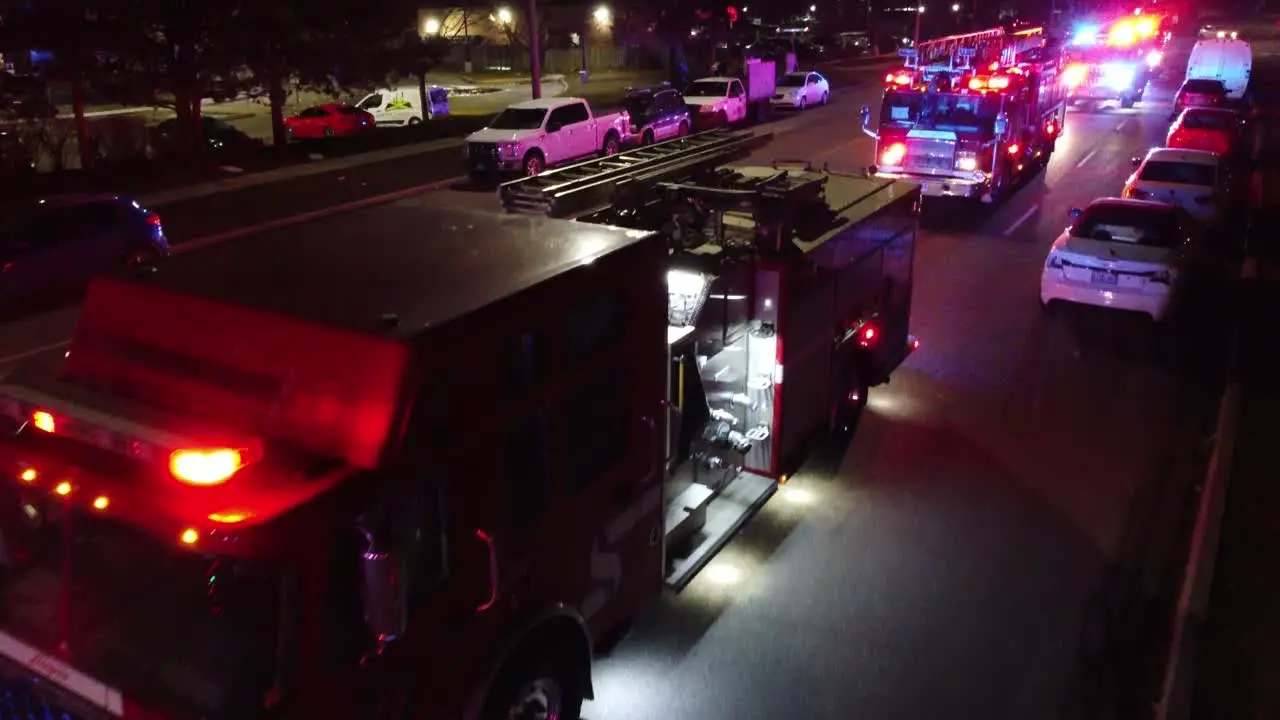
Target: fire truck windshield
940 111
158 623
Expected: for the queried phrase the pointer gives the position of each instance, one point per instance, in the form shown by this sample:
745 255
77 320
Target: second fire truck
1114 63
971 115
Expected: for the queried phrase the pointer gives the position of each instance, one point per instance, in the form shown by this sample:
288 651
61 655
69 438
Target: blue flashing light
1085 35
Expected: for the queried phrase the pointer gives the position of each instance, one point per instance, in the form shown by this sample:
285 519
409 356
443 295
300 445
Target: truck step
725 514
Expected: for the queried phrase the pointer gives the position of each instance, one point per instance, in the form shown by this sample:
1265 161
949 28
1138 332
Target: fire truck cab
351 471
970 116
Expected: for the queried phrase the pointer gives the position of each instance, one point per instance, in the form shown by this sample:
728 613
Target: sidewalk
1238 668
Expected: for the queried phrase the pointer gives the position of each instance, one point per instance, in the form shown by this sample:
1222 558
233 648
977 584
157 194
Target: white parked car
1126 254
719 100
1197 181
800 90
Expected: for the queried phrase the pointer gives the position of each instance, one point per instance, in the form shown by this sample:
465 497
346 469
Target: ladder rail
575 188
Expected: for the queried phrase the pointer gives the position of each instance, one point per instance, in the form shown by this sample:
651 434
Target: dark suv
657 114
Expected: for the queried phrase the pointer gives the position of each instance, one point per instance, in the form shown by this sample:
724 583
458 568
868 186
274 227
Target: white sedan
1197 181
1124 254
799 90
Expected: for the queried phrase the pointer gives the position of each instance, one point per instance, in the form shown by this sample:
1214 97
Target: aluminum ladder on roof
565 191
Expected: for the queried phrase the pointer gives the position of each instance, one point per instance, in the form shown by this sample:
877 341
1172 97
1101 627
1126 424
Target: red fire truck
359 469
1116 62
968 116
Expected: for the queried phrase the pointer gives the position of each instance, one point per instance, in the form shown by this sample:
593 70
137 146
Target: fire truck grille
20 701
930 156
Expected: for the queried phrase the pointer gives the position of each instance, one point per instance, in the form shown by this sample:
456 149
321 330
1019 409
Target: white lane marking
1025 216
1121 125
1087 158
219 238
32 352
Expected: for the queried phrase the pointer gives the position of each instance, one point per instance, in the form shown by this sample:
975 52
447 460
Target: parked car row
1142 252
534 135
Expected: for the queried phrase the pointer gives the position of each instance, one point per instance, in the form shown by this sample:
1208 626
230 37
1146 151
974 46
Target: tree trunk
424 100
277 96
84 143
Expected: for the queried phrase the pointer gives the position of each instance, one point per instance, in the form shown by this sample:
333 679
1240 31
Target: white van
399 106
1226 59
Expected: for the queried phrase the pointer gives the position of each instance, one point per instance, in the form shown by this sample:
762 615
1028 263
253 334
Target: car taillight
1176 138
1136 194
868 335
205 466
893 155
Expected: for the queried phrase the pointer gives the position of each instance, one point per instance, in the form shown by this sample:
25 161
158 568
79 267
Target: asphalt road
993 544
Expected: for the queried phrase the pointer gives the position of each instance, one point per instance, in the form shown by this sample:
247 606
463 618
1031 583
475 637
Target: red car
1217 130
1199 93
326 121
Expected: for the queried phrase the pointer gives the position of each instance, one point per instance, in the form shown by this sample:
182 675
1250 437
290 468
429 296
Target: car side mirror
865 112
382 576
1075 213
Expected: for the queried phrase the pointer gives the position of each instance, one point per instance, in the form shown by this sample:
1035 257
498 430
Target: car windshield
370 102
707 88
792 80
315 112
939 111
1179 173
1209 121
1153 226
519 119
1204 87
139 613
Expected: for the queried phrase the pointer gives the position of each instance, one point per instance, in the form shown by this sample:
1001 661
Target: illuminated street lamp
431 27
813 8
603 17
504 16
955 7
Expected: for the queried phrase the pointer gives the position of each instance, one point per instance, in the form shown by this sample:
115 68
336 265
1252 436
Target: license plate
1103 277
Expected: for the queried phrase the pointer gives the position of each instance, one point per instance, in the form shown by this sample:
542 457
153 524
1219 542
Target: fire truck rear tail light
893 155
898 79
102 502
29 475
44 420
1050 129
205 466
868 335
190 536
63 488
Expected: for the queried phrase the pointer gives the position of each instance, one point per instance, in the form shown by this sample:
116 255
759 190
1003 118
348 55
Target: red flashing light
1050 129
44 420
1014 148
205 467
867 335
153 219
977 84
993 67
998 83
915 344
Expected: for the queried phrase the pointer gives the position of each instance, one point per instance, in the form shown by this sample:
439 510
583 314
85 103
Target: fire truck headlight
893 155
966 161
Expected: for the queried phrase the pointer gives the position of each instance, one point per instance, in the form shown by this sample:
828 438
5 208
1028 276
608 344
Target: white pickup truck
533 135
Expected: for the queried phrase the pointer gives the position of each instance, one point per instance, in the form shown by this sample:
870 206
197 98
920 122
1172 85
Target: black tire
415 121
647 138
722 119
534 163
546 677
611 145
683 130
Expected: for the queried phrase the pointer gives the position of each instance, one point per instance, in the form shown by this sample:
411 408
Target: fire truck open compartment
762 254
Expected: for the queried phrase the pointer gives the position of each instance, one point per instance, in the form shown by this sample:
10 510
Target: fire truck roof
413 259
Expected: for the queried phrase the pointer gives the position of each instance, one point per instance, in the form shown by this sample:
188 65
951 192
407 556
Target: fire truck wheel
647 138
539 690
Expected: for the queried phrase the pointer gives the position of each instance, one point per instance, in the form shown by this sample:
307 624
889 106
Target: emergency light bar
195 461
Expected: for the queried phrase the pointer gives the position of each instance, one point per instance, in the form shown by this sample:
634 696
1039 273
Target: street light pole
535 51
915 40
